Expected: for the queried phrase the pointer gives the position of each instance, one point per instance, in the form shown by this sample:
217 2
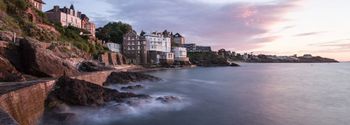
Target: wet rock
128 77
168 99
132 87
234 65
91 66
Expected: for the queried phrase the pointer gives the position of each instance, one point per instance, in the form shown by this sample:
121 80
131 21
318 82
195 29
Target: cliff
32 47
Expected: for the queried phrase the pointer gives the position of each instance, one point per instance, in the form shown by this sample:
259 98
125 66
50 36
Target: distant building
190 47
178 39
114 47
38 4
70 17
134 48
307 56
194 48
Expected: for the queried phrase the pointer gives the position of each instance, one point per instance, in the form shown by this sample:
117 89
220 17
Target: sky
277 27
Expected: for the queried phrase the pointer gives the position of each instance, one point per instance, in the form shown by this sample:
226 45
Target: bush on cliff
207 59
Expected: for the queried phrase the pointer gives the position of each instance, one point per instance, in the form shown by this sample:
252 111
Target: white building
114 47
159 48
157 42
180 54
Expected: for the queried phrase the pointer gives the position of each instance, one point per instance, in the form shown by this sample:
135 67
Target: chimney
56 8
79 14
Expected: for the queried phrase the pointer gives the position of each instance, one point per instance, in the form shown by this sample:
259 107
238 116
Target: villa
70 17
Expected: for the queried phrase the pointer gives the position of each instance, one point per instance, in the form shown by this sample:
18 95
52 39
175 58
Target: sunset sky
282 27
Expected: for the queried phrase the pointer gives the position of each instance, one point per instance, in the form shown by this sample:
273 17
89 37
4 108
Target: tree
142 33
113 32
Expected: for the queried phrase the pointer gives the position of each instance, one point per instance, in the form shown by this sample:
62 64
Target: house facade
158 47
38 4
134 48
194 48
178 39
71 17
180 54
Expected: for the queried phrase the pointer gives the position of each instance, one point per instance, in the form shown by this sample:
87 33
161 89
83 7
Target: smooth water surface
253 94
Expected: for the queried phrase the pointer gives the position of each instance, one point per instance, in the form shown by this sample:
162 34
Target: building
71 17
178 39
65 16
134 48
114 47
180 54
307 56
158 47
194 48
87 25
38 4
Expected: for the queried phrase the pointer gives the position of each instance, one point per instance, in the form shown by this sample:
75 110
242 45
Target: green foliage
3 6
113 32
15 7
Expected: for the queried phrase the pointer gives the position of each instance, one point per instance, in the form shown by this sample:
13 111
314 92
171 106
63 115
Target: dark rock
39 61
132 87
128 77
90 66
81 93
168 99
8 73
234 64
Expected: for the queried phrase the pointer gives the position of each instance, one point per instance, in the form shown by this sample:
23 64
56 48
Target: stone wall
26 105
25 101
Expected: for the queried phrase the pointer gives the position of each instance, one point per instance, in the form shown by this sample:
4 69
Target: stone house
134 48
87 25
71 17
178 39
65 16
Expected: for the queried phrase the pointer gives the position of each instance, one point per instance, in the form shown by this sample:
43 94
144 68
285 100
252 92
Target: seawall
23 103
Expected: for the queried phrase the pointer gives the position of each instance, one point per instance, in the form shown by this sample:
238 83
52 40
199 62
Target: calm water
254 94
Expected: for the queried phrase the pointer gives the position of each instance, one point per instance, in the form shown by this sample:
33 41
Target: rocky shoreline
69 92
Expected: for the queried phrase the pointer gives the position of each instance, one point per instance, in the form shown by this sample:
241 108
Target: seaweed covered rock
128 77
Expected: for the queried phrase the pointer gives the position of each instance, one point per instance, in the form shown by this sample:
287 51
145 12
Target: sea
253 94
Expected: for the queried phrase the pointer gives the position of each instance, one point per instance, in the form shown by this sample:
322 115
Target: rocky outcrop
128 77
8 73
132 87
39 61
92 66
168 99
81 93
